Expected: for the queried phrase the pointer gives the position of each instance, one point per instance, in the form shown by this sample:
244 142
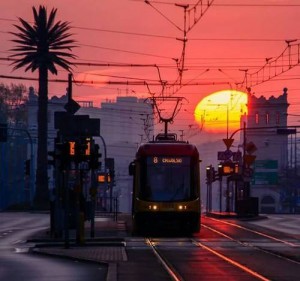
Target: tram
166 186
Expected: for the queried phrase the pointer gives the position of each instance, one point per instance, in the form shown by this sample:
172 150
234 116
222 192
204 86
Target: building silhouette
275 176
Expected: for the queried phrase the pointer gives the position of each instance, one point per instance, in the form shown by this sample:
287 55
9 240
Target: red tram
166 186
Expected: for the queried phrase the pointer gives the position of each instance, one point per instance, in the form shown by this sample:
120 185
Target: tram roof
167 148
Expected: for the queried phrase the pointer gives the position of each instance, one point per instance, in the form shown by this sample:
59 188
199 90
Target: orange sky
231 36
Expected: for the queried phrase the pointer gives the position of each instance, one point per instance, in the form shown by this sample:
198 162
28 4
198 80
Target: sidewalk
107 245
233 215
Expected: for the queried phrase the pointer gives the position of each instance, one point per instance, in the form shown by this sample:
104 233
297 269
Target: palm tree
42 46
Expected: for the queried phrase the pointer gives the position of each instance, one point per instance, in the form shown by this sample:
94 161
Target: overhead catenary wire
167 37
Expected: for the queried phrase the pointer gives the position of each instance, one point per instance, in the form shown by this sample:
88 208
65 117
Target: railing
107 207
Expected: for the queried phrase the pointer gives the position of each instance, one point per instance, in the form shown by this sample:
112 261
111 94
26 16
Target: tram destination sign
166 160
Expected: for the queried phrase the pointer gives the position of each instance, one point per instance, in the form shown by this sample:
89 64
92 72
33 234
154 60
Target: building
275 167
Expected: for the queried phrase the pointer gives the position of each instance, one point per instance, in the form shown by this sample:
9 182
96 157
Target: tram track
158 249
248 244
260 233
165 263
233 262
254 253
253 244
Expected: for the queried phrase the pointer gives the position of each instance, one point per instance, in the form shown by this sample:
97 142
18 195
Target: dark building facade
275 179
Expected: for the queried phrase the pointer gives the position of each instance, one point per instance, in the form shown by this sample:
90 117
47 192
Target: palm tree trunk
42 191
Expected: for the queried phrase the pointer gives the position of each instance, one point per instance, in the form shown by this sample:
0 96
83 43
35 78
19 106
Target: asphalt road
17 263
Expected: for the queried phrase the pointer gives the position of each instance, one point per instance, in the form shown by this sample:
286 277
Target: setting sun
221 111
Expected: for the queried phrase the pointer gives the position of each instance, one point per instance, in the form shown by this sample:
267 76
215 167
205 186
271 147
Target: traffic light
209 174
72 148
214 174
104 177
110 165
101 178
82 150
88 147
112 175
94 156
229 168
27 167
60 156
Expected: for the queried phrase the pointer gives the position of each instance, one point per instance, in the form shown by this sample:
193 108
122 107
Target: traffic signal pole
67 208
79 212
220 199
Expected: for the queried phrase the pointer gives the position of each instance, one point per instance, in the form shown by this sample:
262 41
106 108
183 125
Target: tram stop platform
106 247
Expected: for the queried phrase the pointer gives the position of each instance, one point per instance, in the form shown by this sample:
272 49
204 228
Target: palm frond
46 42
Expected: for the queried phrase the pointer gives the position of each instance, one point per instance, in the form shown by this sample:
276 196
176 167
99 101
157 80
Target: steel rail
177 277
231 261
257 232
247 244
171 271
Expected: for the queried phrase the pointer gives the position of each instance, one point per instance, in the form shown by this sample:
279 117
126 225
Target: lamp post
105 156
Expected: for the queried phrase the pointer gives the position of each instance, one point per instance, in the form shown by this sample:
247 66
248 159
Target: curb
235 216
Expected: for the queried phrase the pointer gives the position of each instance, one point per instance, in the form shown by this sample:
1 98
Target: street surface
17 263
289 224
225 249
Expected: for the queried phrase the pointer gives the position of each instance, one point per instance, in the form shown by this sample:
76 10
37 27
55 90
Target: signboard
168 160
224 155
228 142
76 125
250 147
236 156
286 131
265 172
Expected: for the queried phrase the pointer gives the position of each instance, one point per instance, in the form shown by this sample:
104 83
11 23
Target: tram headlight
182 207
153 207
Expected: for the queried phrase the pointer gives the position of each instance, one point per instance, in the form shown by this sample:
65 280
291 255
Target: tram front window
167 179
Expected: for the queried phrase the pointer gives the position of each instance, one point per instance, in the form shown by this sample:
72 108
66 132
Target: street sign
250 147
228 142
266 172
236 156
286 131
224 155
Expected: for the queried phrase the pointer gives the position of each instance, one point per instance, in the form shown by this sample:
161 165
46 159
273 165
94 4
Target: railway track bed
222 251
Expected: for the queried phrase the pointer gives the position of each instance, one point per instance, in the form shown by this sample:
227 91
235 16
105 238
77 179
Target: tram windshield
167 179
